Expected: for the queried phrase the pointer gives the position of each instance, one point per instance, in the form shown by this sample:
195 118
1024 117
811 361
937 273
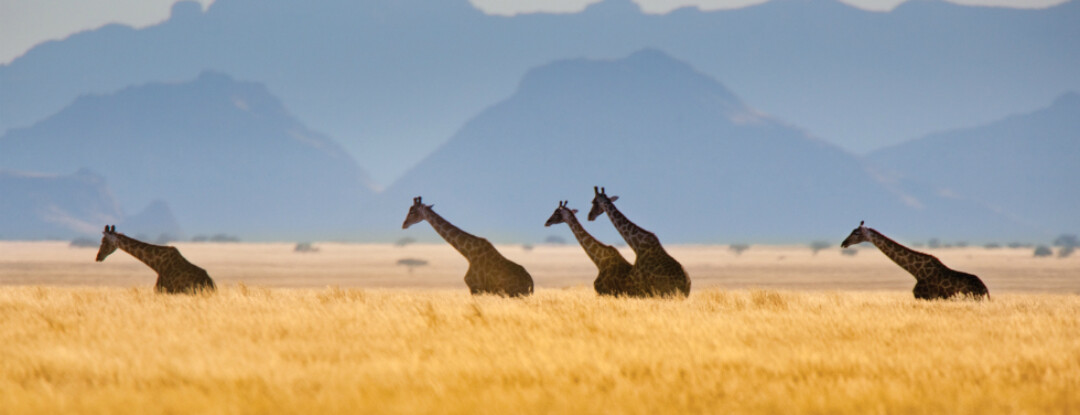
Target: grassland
94 338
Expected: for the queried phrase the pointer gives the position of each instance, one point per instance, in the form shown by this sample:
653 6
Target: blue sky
25 23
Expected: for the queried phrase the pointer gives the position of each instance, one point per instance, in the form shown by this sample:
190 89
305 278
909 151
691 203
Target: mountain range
392 79
46 206
689 158
224 155
1026 166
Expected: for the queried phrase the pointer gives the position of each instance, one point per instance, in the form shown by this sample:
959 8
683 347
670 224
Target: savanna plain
347 329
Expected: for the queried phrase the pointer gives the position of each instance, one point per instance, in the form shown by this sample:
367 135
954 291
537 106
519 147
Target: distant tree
411 263
1066 240
738 248
305 247
933 243
992 245
1064 252
849 251
555 240
221 237
527 247
83 242
200 238
1043 251
164 239
404 241
818 246
1018 245
961 244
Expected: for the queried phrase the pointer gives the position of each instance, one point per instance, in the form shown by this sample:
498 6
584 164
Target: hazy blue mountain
225 155
1027 166
391 79
156 223
39 206
689 159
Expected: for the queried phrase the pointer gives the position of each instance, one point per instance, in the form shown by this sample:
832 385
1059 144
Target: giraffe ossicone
175 274
933 279
489 272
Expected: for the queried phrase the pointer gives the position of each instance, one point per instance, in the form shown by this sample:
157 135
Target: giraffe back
180 276
946 283
492 273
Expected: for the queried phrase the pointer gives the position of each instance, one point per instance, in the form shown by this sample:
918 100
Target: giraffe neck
152 255
910 260
640 240
464 242
598 252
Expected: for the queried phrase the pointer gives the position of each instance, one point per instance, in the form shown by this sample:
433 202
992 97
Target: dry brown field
375 266
346 330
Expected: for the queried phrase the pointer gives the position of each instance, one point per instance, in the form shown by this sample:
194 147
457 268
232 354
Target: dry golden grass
853 343
258 350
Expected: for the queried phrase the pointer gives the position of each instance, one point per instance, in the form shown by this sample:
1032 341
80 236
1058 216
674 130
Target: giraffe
175 274
489 272
614 269
933 279
654 271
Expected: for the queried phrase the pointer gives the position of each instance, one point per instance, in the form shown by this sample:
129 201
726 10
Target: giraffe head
597 209
109 242
561 214
859 235
416 213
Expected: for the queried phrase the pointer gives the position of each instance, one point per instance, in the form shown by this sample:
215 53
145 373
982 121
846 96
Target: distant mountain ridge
225 156
1027 166
45 206
392 79
690 161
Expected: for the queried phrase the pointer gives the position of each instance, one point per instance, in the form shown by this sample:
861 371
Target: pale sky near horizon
25 23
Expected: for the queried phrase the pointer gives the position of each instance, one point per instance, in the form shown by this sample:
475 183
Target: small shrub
555 240
1066 240
817 246
1043 251
961 244
411 263
933 243
221 237
305 247
83 242
738 248
992 245
849 251
200 238
1064 252
404 241
527 247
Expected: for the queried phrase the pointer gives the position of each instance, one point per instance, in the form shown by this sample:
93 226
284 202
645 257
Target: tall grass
257 350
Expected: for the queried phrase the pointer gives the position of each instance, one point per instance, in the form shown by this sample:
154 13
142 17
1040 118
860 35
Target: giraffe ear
573 210
613 198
